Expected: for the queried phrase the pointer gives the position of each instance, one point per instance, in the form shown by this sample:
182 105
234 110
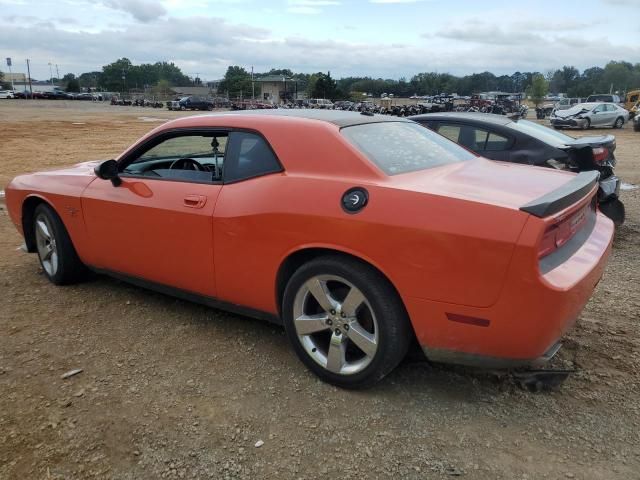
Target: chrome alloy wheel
335 324
46 244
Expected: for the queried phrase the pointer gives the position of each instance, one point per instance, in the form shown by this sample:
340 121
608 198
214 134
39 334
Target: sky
378 38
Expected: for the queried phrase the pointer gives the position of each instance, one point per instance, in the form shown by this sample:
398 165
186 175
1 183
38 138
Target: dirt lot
174 390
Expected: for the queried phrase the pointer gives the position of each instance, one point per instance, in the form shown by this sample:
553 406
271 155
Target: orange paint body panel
451 239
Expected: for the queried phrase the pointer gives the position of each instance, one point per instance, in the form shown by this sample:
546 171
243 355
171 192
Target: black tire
587 124
69 268
614 209
619 123
636 127
393 327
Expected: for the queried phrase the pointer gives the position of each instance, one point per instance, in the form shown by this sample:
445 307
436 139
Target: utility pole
30 85
50 73
253 86
57 72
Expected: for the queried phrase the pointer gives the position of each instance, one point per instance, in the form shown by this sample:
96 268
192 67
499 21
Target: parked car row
52 95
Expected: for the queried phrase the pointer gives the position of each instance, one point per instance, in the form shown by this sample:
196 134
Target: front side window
188 157
401 147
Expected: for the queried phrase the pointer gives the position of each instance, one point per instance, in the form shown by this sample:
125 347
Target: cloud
208 44
310 7
394 1
142 10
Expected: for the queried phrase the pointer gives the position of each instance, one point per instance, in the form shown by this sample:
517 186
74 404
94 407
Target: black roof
340 118
464 116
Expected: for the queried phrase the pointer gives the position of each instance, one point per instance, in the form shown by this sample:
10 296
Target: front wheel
345 321
56 252
619 122
587 124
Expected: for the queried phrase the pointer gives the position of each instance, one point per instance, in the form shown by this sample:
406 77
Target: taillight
600 154
556 235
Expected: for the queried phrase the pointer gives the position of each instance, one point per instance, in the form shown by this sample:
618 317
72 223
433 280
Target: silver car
586 115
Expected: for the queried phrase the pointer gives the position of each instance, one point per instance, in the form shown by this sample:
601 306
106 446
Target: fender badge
72 210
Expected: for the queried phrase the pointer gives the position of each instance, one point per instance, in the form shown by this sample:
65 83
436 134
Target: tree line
123 75
615 76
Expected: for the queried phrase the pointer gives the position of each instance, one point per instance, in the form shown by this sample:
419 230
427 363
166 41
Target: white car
320 103
586 115
7 94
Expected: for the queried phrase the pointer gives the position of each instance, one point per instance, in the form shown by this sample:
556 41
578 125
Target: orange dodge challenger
356 232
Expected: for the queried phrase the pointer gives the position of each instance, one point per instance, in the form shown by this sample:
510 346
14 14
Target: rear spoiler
564 196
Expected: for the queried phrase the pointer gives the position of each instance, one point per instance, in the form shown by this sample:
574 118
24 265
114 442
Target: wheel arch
295 259
29 206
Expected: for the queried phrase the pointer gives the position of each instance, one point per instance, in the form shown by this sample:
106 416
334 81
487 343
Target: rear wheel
619 122
57 255
345 321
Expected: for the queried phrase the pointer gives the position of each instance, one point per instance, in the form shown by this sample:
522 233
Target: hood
480 180
571 112
82 169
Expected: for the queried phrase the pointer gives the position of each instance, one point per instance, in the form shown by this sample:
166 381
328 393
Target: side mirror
108 170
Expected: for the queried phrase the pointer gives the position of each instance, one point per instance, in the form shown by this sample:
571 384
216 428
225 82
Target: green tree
538 89
4 85
73 85
123 75
324 86
236 82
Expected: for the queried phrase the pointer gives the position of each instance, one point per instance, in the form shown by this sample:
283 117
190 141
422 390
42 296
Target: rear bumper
533 312
609 188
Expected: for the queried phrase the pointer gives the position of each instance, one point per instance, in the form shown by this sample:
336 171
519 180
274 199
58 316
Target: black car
636 123
498 137
57 95
195 102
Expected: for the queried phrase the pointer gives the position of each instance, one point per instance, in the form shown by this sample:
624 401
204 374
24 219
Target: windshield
545 134
401 147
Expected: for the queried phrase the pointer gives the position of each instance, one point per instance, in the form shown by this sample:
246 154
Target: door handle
195 201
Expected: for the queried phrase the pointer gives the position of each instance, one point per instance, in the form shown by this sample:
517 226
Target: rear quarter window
401 147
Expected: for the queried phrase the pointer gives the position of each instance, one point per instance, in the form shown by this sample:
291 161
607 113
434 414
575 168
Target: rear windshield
547 135
400 147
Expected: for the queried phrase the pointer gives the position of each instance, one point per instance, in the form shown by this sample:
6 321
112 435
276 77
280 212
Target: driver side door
157 225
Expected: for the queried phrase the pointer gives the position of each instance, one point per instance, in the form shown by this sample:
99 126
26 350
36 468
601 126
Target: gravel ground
170 389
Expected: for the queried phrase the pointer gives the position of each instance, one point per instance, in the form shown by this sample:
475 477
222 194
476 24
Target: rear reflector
479 322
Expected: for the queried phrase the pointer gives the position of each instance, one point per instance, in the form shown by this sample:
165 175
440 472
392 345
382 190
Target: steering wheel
187 164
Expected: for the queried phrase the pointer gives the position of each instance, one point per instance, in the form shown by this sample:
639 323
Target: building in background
15 77
277 89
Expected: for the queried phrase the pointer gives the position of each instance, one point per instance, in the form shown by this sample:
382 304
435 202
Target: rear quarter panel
429 246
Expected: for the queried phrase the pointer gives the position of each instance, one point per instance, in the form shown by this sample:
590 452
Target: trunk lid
480 180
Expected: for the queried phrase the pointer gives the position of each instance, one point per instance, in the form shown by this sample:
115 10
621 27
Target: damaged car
587 115
520 141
